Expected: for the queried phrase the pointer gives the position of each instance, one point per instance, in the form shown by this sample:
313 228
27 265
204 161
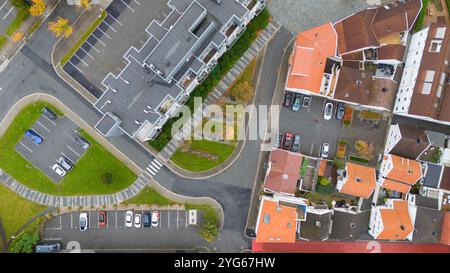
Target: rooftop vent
358 83
358 179
402 227
318 224
266 218
285 177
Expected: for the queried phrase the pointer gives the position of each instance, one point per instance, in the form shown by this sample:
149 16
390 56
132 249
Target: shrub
25 243
107 178
323 181
420 19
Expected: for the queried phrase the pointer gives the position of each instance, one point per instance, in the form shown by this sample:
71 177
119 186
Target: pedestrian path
260 42
74 201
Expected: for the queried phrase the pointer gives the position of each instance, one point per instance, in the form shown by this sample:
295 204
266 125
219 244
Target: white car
137 220
84 221
155 218
129 219
325 150
59 170
328 111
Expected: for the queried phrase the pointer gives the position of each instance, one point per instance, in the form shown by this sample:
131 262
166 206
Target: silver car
65 163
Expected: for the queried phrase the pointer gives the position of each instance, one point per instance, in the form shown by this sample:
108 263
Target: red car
287 141
102 219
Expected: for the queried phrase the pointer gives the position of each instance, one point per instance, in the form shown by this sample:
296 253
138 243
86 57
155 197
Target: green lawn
83 38
149 196
197 163
3 41
15 210
84 179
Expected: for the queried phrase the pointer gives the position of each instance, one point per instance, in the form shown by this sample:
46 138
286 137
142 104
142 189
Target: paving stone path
223 85
73 201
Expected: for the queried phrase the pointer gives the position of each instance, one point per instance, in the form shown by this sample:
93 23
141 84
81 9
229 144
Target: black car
288 99
296 144
48 113
340 111
147 219
82 142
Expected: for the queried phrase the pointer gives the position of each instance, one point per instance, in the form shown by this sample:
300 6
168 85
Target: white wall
393 138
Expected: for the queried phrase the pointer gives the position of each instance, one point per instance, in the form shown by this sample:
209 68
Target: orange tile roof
276 223
396 186
361 180
445 232
311 51
405 170
284 171
397 224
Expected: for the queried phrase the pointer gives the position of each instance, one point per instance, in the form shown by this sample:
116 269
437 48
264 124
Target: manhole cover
2 57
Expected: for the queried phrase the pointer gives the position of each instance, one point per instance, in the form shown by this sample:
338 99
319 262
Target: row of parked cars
295 101
291 142
147 219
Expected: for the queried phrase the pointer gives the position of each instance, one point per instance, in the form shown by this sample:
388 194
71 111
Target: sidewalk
8 52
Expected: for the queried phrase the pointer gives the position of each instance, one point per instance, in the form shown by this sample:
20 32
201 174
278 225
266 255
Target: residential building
318 223
399 174
350 225
357 180
283 172
436 182
277 222
445 233
426 217
423 89
391 221
179 53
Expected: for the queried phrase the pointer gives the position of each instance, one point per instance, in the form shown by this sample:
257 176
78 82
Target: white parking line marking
3 5
52 239
116 218
37 131
116 20
68 157
168 218
71 221
76 67
38 122
177 218
60 222
85 64
103 33
137 2
25 146
87 53
73 150
98 51
127 5
4 17
113 29
186 219
49 120
103 44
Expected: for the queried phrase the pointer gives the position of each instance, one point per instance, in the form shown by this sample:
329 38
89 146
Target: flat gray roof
105 124
433 176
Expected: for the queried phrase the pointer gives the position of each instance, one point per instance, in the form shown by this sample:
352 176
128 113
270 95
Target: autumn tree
38 7
60 27
17 36
243 91
364 149
84 3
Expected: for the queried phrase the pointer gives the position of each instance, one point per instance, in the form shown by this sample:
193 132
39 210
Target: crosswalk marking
150 171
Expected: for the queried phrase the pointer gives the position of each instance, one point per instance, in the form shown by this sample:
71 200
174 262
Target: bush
25 243
3 41
323 181
226 62
107 178
421 17
209 230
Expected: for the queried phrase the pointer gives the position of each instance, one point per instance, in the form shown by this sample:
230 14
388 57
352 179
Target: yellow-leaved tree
60 27
38 7
84 3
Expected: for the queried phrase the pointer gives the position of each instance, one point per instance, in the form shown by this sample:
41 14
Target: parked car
325 150
65 163
155 218
84 221
306 101
48 113
59 170
277 141
296 144
48 248
82 142
147 219
340 111
137 220
129 219
328 112
102 219
297 102
33 136
287 99
287 142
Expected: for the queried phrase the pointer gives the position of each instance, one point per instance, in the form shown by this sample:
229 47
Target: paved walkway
220 89
3 238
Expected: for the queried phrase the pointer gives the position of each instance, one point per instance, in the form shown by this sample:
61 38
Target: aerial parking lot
123 26
58 141
7 15
174 231
315 130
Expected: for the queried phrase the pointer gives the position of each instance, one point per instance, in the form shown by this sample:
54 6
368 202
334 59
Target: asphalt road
31 71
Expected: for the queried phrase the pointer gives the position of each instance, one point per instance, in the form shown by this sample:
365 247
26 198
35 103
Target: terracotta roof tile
361 180
397 223
396 186
405 170
284 171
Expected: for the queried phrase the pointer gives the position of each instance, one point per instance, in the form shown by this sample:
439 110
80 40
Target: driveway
173 232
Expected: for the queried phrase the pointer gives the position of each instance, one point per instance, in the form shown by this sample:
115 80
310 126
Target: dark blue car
33 136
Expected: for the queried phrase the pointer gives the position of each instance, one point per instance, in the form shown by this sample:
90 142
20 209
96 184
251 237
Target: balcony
231 29
251 4
210 55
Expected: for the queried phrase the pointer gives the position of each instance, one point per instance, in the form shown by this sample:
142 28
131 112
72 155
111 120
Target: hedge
420 19
226 62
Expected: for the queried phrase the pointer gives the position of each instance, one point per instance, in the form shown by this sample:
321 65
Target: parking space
172 224
123 26
7 15
58 141
314 130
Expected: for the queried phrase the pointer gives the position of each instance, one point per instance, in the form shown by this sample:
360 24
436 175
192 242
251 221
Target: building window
435 46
